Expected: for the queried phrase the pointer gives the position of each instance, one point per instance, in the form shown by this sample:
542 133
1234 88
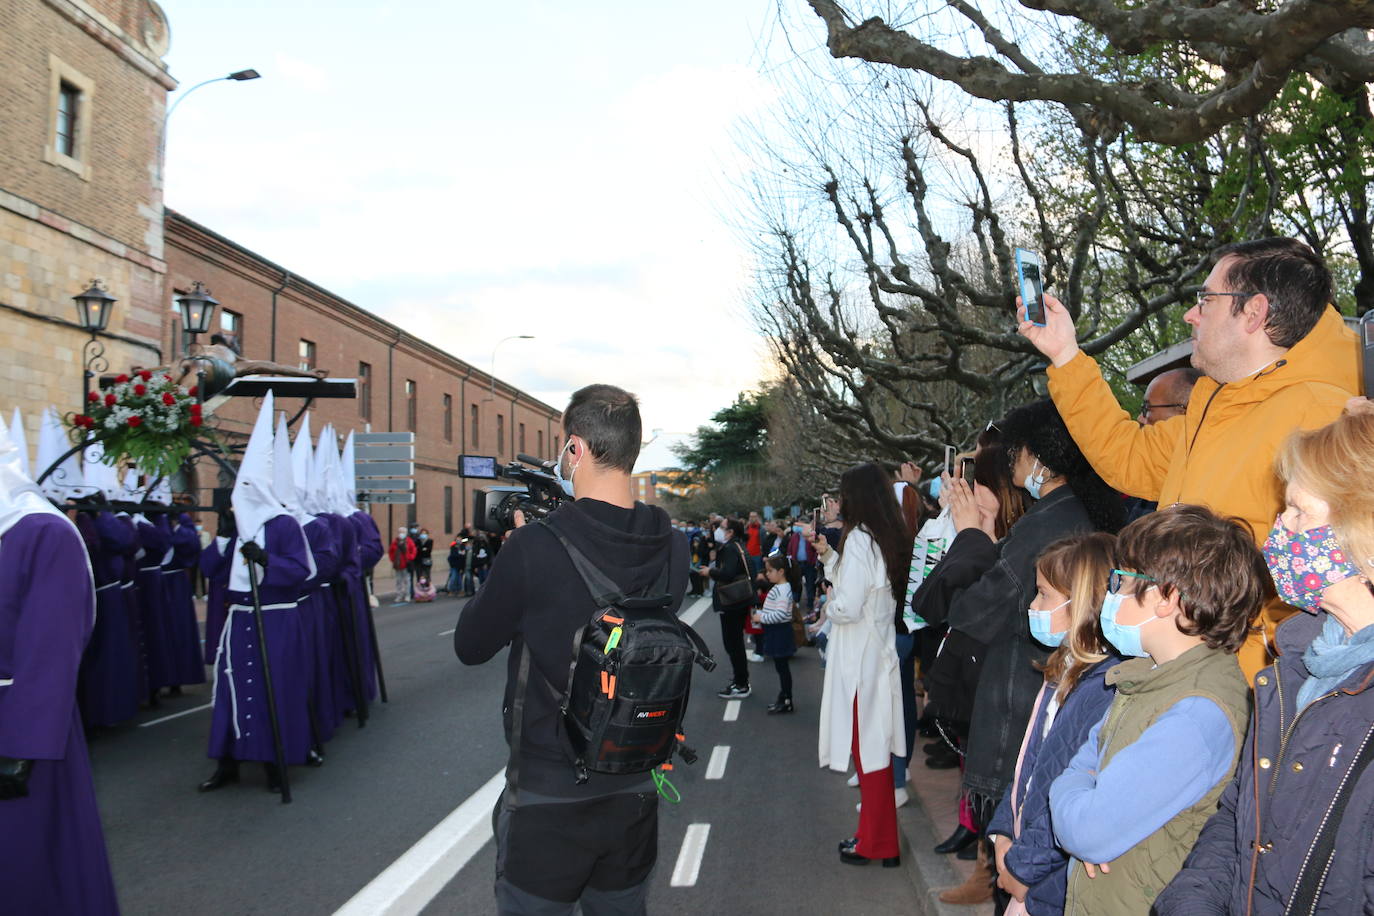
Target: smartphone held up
1029 281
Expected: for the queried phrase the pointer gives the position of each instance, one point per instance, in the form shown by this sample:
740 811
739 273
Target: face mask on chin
1033 483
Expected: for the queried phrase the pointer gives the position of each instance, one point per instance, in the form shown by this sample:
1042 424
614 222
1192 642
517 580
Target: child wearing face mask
1071 580
1131 803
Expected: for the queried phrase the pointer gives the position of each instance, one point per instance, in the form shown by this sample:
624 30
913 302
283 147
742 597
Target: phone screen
816 521
966 470
949 460
1032 288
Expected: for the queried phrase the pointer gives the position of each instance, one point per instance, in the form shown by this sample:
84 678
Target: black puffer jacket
1300 759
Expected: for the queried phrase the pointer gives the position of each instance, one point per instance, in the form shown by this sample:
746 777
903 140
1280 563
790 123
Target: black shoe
962 838
314 759
273 777
734 692
968 855
783 705
225 773
849 857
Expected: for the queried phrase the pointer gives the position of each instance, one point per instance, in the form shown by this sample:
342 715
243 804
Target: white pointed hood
338 501
19 495
284 483
350 478
21 442
254 498
99 476
302 466
319 482
65 480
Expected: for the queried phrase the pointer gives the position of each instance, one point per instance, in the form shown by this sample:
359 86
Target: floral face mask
1305 563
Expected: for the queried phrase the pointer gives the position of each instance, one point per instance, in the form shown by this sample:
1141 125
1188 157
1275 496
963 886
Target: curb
929 872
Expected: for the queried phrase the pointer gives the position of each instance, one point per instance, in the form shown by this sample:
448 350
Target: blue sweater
1035 859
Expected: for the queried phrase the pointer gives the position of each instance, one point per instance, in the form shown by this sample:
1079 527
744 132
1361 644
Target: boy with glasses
1134 799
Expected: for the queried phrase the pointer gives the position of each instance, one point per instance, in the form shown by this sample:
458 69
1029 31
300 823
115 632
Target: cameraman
561 843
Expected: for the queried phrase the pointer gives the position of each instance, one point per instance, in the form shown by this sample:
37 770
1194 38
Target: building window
230 322
500 434
69 129
521 448
448 510
68 104
306 351
410 405
539 442
365 391
473 422
448 420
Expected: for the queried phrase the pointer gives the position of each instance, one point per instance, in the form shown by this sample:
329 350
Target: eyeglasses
1146 406
1203 295
1119 576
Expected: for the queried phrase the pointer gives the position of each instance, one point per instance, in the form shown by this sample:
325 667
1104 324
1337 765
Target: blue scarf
1333 657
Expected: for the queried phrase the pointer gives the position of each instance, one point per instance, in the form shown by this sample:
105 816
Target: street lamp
492 396
93 309
197 308
237 76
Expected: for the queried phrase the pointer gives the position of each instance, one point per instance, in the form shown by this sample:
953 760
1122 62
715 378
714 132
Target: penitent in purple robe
52 848
155 539
108 692
351 623
188 664
319 616
240 726
215 561
369 551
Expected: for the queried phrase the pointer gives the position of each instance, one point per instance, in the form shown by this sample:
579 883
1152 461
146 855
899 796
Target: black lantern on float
197 308
93 308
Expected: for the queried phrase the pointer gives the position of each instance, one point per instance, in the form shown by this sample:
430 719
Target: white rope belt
149 568
102 588
6 681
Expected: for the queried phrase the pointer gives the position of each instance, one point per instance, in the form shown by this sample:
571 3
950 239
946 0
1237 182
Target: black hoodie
534 594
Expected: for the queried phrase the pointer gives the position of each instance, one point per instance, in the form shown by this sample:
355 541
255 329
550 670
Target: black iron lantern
93 307
197 308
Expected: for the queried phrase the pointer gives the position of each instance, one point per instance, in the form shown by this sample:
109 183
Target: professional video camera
494 507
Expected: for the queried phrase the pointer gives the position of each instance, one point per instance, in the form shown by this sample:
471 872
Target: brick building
83 89
404 383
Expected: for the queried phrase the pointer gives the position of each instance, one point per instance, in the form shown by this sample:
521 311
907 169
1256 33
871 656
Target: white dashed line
175 715
720 755
732 710
689 858
693 614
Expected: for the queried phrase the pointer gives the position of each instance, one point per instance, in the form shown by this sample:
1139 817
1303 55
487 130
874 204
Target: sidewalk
927 819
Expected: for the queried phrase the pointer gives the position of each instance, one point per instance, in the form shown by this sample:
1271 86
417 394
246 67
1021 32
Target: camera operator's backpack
629 679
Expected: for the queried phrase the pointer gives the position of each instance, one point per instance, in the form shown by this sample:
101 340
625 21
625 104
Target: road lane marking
406 886
720 755
689 857
448 632
175 715
732 710
694 612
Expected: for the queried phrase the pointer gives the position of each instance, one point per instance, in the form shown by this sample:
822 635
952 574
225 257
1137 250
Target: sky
474 171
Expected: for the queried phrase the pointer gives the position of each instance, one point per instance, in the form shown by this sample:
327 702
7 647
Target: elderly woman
1291 834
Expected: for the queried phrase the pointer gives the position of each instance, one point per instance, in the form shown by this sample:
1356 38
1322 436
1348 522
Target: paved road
774 816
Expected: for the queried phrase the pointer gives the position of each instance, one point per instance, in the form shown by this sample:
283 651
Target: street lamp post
93 309
197 308
237 76
492 395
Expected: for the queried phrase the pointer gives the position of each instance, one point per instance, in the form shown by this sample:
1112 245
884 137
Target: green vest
1143 694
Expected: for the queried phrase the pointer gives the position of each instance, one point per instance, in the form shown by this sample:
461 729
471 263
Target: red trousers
877 833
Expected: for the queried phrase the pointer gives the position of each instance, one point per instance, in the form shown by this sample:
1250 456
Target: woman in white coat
861 706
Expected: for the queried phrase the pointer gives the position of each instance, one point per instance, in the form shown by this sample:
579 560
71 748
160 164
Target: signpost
384 466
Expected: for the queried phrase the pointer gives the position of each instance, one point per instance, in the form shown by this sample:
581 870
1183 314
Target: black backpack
628 682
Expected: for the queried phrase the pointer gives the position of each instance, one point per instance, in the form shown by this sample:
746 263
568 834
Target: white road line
720 755
448 632
407 885
693 613
732 710
689 858
175 715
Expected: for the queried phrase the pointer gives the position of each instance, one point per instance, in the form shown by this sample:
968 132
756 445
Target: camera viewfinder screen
483 466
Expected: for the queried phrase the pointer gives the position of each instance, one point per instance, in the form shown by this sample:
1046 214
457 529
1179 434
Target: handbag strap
1308 887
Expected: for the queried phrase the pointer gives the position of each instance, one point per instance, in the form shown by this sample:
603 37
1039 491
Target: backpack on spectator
628 682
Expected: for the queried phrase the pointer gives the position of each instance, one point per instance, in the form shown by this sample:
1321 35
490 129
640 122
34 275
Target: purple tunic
52 848
188 664
353 594
318 613
156 540
108 689
370 551
214 566
241 726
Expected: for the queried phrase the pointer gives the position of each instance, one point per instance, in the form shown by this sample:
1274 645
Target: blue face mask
565 482
1040 626
1125 638
1032 483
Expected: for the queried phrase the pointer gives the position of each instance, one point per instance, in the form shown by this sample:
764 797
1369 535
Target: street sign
387 497
365 469
383 439
388 483
384 452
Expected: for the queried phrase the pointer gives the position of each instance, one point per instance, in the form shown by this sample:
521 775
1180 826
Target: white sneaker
901 796
853 782
754 657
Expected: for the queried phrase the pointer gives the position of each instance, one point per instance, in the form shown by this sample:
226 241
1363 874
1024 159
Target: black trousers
732 636
600 852
784 668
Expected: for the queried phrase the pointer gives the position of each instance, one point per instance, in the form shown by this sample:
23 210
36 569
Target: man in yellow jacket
1277 357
